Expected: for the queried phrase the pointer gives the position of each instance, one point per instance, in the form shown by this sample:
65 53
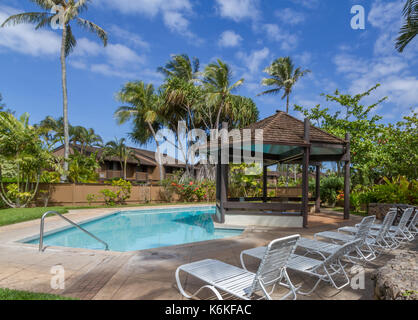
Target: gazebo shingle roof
281 128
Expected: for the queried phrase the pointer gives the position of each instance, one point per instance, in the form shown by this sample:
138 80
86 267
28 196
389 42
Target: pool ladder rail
41 234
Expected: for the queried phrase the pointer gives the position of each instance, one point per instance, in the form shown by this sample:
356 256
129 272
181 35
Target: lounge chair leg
213 289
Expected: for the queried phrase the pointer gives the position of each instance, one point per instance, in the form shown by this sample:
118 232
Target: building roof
145 157
282 128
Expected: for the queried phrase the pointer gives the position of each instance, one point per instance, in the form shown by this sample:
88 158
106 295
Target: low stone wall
380 209
398 279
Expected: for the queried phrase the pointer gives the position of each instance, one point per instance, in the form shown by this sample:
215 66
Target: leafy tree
410 29
283 76
377 150
83 169
219 88
67 12
51 130
84 138
143 110
181 67
21 146
2 105
118 148
399 148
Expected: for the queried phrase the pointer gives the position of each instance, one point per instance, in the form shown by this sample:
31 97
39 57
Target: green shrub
355 201
119 196
330 188
397 190
91 198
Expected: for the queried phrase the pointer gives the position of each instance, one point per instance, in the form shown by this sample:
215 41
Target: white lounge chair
324 270
381 239
412 228
363 249
243 284
374 225
400 232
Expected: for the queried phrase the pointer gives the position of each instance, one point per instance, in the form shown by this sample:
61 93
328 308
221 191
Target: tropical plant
84 138
243 182
122 193
283 76
66 12
181 67
396 190
217 81
21 146
119 149
91 198
51 131
330 187
410 29
143 111
358 120
2 105
82 168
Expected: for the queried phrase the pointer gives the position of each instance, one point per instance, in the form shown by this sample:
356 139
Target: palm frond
70 41
94 28
407 34
27 17
45 22
82 5
410 29
45 4
271 91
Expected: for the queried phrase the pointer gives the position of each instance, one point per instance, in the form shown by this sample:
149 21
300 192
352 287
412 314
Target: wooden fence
68 194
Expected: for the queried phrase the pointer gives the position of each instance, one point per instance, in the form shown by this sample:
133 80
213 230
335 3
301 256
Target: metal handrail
41 234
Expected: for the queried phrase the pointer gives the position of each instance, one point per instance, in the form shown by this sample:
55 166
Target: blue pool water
143 229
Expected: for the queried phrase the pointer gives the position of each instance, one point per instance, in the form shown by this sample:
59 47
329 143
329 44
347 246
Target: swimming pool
142 229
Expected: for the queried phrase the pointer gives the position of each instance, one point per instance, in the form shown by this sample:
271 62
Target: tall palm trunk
160 167
287 104
65 103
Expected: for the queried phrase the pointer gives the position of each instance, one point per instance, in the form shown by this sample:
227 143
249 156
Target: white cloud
173 12
305 58
25 39
254 59
307 3
290 16
133 38
238 10
230 39
394 71
287 40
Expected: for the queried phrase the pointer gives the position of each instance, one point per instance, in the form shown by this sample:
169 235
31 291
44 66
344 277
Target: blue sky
248 34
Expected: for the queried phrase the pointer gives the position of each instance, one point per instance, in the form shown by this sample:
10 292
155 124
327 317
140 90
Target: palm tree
67 11
182 67
85 138
52 130
217 80
410 29
144 110
283 76
118 148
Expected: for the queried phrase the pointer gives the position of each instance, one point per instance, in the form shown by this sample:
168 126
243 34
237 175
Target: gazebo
286 140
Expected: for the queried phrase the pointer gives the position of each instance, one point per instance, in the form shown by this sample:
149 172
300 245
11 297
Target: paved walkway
147 274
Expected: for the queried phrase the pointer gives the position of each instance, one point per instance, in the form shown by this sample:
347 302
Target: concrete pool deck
146 274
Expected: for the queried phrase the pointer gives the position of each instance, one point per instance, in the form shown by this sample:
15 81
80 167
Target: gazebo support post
347 179
264 183
305 174
318 189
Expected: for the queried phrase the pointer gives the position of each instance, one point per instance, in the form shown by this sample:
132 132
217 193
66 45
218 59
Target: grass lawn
359 213
16 215
7 294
